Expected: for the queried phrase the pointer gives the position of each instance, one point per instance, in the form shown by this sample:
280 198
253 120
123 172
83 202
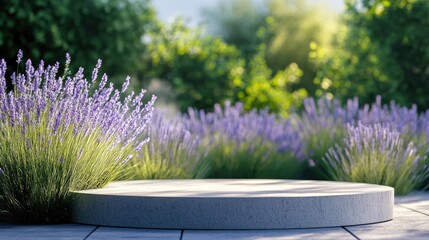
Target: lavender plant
407 121
246 145
377 154
404 120
57 137
173 152
422 139
322 125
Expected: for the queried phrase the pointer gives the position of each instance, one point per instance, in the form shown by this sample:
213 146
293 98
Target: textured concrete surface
45 232
315 233
106 233
408 223
233 204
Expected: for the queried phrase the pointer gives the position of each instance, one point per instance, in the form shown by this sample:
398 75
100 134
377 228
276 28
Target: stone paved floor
411 221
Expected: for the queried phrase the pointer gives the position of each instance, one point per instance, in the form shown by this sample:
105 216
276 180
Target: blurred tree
204 70
382 49
201 69
263 90
88 30
287 28
237 23
292 26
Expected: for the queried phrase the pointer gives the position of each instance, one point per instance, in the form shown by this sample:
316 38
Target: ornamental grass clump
246 145
56 137
173 152
377 154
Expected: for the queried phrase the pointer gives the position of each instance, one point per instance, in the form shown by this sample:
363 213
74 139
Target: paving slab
106 233
221 204
290 234
418 201
406 224
44 232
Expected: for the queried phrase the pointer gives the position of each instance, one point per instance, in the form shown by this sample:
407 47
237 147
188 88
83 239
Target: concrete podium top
235 188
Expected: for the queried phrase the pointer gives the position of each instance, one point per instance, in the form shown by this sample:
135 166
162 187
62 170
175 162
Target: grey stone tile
406 224
311 233
418 201
103 233
57 231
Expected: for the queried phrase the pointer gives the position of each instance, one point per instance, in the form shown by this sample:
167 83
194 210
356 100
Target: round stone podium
233 204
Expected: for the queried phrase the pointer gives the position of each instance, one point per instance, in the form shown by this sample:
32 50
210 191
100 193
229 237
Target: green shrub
286 28
381 49
201 69
88 30
260 90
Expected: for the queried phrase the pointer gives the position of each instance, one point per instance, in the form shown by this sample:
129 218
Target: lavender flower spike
20 54
126 84
95 71
126 159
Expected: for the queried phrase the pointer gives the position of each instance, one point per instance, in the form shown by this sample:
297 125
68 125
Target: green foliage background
201 69
382 49
107 29
267 55
285 28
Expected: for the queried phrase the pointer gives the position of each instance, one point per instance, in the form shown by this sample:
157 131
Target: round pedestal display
233 204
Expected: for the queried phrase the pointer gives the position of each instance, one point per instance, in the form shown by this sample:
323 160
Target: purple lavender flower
19 56
102 82
95 71
68 59
403 119
171 140
126 83
376 153
172 149
28 144
67 102
234 124
128 158
323 124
